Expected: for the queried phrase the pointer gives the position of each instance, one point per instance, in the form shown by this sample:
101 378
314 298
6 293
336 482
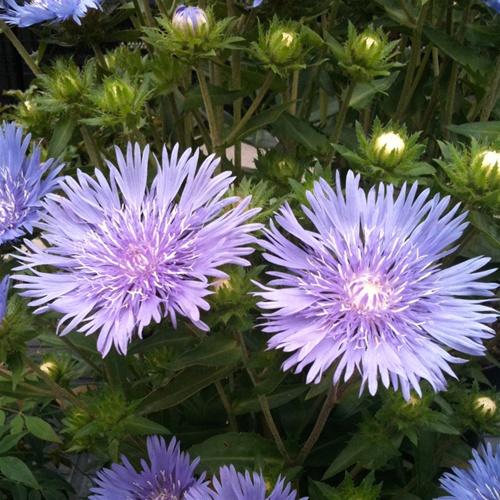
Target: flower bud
366 47
190 21
389 144
284 46
48 367
486 406
490 160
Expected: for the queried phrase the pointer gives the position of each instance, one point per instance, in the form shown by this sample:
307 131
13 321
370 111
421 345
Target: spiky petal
4 290
125 255
481 481
364 287
22 182
233 485
169 475
39 11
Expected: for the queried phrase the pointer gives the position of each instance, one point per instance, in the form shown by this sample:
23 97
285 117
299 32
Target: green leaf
174 340
243 450
364 92
468 57
189 382
219 95
282 396
142 426
214 350
321 491
16 470
41 429
291 127
480 130
9 441
262 120
61 136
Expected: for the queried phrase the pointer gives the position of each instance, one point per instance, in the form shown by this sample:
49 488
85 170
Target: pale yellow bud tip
48 367
485 405
369 41
287 38
490 159
388 143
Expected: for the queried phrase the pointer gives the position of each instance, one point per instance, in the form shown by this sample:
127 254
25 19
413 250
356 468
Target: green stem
343 112
91 146
30 62
251 110
233 423
210 110
82 354
492 94
405 96
330 401
147 13
294 92
264 403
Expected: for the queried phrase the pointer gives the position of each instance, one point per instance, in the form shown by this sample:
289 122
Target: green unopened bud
486 406
284 46
490 160
367 47
389 145
191 21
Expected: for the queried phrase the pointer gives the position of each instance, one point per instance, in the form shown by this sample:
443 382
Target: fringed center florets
13 199
368 293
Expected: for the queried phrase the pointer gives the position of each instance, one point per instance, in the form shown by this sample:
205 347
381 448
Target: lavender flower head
169 476
39 11
494 4
364 288
193 20
125 255
234 485
4 290
21 182
481 481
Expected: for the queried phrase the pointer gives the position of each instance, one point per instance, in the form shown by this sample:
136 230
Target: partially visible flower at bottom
481 481
4 290
233 485
169 475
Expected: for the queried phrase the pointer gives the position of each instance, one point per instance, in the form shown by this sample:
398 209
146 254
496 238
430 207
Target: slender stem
328 405
205 134
238 103
147 13
233 423
30 62
251 110
264 403
343 112
295 92
492 94
209 108
58 391
405 96
91 146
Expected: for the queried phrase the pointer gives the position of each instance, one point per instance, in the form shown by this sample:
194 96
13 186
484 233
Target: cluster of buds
365 56
472 174
389 154
191 34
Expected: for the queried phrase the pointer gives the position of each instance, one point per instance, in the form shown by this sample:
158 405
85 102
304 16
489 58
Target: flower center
367 294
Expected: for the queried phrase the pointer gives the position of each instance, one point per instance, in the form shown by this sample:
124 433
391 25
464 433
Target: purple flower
39 11
4 290
480 482
190 19
21 183
234 485
125 255
494 4
363 288
170 475
256 3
